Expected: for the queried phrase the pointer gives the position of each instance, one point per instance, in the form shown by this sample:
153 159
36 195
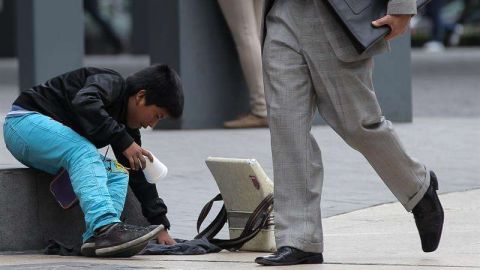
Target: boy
61 123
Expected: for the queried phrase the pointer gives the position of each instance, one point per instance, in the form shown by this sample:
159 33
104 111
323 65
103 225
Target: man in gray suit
309 62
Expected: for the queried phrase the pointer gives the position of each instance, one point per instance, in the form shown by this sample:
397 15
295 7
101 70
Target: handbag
247 193
62 190
356 16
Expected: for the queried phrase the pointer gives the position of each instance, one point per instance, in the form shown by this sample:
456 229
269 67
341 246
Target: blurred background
109 26
452 22
194 38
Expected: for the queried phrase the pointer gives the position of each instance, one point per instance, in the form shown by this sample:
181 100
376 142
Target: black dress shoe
290 256
428 215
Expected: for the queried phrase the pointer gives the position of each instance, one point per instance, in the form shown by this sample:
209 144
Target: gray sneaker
121 240
88 248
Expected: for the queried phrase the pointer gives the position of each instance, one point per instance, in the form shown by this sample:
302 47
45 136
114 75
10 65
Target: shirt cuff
161 220
397 7
122 141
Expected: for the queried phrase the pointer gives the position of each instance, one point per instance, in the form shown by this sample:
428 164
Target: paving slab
386 235
382 237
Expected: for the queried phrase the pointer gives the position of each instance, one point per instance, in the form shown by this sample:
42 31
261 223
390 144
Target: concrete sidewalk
382 237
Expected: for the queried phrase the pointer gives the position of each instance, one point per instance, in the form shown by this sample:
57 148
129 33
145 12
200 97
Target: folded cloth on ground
182 247
55 247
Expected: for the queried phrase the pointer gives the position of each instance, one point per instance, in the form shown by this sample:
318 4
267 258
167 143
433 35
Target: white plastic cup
155 171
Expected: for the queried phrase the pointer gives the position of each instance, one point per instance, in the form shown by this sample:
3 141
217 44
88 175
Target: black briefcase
357 16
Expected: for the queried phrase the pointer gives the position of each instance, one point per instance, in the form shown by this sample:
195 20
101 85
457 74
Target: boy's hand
135 155
163 238
398 24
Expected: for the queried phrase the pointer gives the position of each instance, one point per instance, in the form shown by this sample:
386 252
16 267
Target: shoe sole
318 259
88 250
128 248
131 251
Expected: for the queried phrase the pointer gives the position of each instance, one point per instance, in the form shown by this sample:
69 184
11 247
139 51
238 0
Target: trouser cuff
419 195
299 244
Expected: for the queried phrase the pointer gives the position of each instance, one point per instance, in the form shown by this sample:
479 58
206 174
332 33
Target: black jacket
93 102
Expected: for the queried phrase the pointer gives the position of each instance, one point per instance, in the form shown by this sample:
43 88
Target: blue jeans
101 185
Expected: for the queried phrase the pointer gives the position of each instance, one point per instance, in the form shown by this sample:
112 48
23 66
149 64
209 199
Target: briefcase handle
259 219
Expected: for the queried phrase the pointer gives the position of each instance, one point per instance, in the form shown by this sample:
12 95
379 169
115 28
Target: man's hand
163 238
398 24
135 155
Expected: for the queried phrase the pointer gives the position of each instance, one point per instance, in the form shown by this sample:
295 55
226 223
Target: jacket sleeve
99 91
402 7
153 207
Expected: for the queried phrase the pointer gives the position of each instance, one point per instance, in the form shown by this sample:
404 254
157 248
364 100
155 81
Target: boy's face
140 115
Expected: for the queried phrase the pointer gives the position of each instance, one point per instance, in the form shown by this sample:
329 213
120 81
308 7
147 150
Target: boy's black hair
162 85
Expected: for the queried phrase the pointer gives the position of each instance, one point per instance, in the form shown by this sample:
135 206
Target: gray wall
393 81
192 37
139 36
7 28
50 39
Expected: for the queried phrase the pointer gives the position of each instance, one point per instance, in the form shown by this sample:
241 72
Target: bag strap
258 220
216 225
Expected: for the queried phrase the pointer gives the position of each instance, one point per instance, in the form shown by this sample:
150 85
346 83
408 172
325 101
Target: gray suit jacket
338 39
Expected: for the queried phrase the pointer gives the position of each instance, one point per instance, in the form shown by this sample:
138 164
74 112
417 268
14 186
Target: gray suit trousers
302 73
